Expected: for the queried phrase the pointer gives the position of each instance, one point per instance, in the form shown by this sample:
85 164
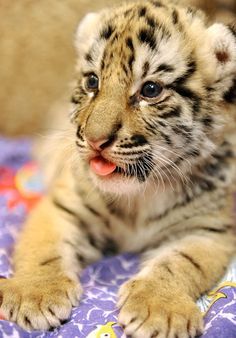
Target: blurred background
37 56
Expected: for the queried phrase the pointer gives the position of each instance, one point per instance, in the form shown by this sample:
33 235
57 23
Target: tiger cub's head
154 89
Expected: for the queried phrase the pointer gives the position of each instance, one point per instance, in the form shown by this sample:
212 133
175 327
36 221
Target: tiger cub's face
152 82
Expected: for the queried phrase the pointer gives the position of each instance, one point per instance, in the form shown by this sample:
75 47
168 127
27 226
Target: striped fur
170 198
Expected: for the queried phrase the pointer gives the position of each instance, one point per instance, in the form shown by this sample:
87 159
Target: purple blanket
20 188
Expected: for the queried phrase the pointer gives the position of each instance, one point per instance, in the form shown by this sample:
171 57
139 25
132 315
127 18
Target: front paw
38 303
150 310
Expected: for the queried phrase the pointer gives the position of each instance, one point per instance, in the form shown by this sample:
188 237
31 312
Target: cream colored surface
37 57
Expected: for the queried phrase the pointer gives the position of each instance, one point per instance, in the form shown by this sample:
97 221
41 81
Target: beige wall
37 57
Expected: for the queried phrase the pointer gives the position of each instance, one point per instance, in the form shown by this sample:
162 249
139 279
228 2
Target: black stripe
216 230
191 260
193 153
188 93
180 130
81 258
191 69
78 133
109 248
127 146
214 169
139 140
125 69
146 68
27 321
166 267
192 11
92 210
110 140
151 127
173 112
209 89
70 244
81 89
232 28
114 38
141 169
92 241
89 58
52 313
127 12
130 44
107 32
97 214
111 56
114 210
83 225
61 206
157 3
168 211
163 124
80 145
142 11
133 99
147 36
207 121
140 153
75 100
184 128
159 105
178 160
206 185
227 154
230 95
131 61
50 260
175 17
165 68
166 138
222 178
151 22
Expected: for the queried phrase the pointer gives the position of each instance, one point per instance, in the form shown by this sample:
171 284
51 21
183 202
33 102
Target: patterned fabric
20 188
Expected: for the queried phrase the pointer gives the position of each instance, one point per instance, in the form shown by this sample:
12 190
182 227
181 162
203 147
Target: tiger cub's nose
101 144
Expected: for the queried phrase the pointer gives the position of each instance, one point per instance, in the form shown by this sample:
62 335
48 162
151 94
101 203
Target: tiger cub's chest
134 227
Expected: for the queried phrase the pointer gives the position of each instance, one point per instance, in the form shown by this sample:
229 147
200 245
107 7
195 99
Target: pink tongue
102 167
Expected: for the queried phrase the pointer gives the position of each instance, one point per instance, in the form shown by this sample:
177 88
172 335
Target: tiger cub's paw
38 303
151 311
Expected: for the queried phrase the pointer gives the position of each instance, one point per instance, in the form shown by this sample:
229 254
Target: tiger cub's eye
151 89
92 82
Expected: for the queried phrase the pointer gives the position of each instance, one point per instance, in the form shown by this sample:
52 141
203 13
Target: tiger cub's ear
221 40
85 31
222 43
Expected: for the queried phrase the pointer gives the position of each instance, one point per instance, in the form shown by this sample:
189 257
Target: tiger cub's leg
160 300
44 287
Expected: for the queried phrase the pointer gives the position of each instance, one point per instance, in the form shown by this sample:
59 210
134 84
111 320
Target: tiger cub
147 166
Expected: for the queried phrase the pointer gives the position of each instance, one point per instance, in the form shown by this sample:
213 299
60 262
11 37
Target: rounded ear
222 43
221 40
86 30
